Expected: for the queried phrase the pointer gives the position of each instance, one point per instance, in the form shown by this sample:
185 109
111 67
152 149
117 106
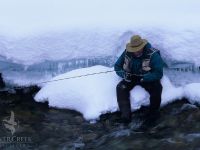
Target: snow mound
96 94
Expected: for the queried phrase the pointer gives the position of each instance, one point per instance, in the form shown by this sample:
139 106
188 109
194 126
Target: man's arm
156 72
119 65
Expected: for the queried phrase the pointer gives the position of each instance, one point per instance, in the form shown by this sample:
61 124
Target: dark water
41 128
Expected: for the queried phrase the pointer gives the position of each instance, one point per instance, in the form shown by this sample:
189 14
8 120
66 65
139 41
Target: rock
89 137
2 84
188 107
79 119
31 90
78 144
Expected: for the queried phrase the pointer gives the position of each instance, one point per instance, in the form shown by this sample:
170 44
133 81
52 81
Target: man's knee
155 86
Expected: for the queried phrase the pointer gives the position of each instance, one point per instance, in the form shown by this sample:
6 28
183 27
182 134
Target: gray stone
89 137
188 107
2 84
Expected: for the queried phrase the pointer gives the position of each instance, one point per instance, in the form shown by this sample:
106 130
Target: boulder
2 84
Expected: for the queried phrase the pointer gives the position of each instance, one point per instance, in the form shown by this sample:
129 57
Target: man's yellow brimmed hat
136 44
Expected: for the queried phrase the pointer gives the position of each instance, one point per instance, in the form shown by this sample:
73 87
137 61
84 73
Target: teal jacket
156 64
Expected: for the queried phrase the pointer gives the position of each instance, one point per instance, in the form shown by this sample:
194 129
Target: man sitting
140 64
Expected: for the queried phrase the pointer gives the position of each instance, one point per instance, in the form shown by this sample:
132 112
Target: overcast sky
26 16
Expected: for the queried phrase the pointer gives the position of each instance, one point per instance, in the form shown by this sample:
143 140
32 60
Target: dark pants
123 96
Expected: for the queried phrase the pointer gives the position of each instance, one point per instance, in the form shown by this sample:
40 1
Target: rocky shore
50 128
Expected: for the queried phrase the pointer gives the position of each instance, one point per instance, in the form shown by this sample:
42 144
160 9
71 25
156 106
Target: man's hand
127 77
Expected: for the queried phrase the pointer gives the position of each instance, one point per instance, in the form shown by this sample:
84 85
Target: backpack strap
151 51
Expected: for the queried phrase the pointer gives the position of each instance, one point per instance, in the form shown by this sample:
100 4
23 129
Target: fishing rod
84 75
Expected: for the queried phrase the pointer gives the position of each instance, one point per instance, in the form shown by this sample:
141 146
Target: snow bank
47 53
175 44
95 95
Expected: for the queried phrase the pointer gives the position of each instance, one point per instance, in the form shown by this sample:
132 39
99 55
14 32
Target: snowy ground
94 95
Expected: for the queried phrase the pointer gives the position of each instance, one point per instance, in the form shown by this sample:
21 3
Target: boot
150 120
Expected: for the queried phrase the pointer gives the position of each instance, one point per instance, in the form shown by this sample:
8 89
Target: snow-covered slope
175 44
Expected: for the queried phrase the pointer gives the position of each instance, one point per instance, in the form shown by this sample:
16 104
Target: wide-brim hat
136 44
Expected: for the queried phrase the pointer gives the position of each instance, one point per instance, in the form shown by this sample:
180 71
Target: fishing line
84 75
